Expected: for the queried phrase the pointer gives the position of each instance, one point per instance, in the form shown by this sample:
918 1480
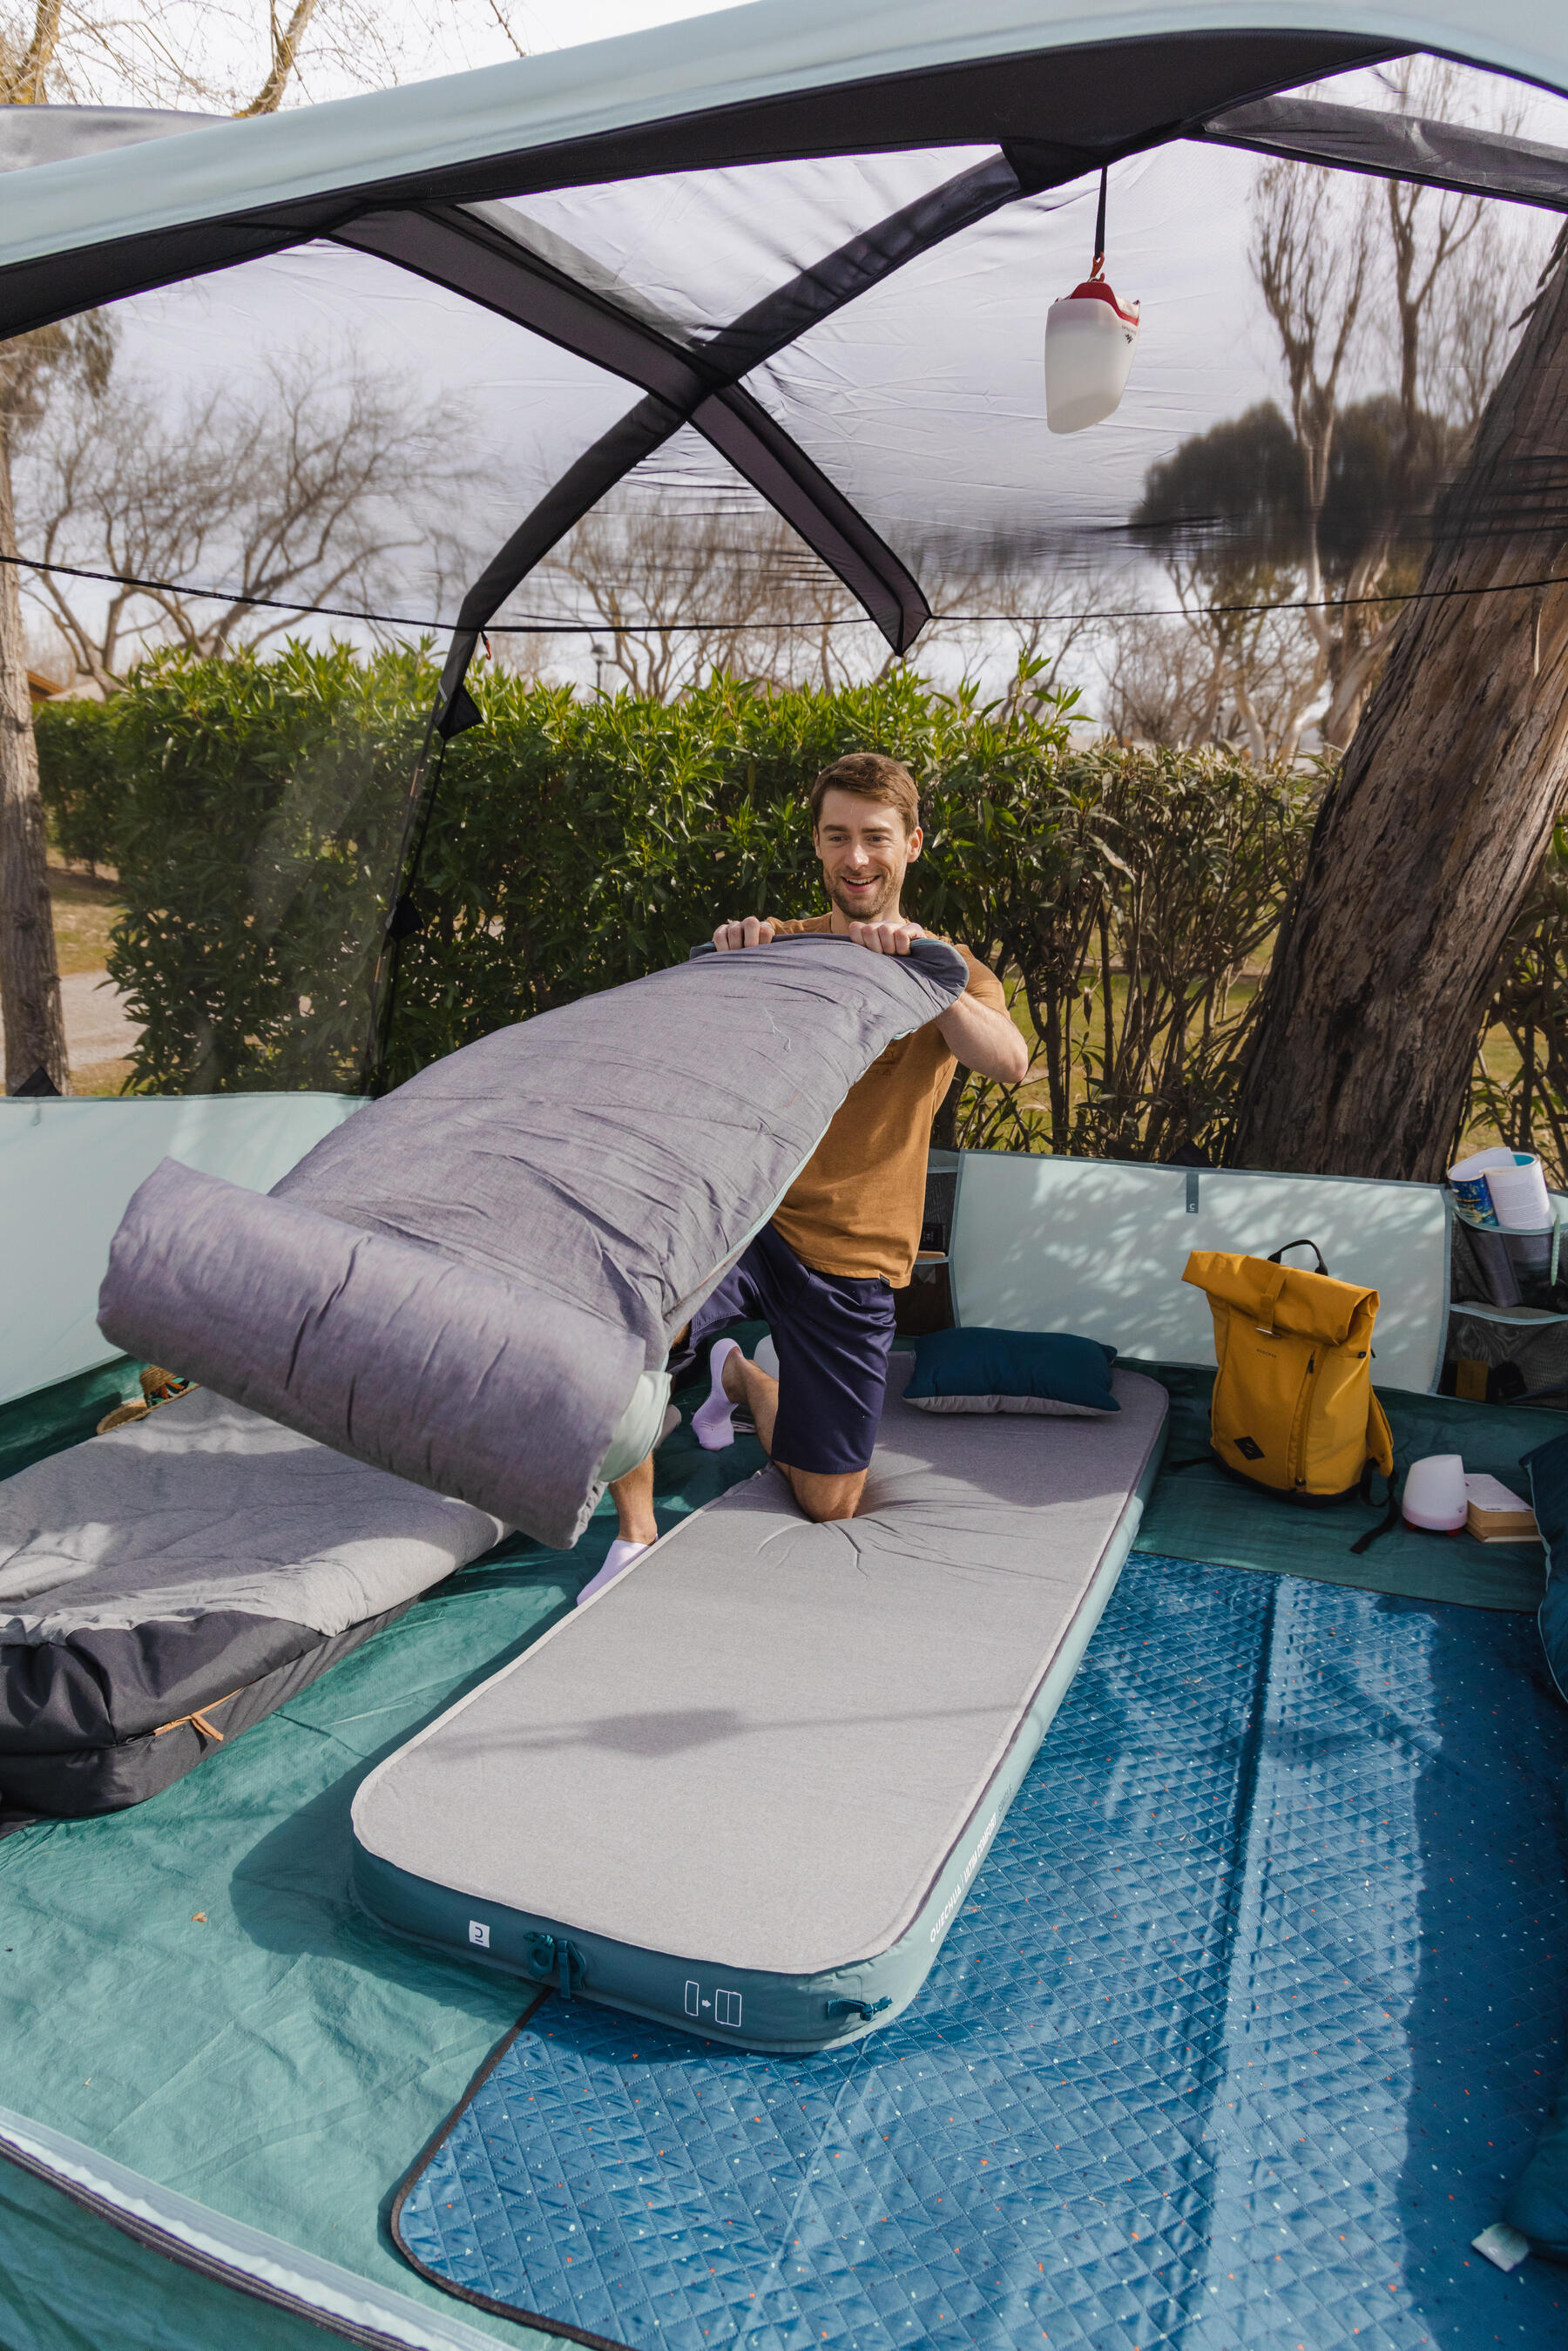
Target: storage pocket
1339 1423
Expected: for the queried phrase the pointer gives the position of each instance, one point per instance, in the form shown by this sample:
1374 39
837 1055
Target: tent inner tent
774 282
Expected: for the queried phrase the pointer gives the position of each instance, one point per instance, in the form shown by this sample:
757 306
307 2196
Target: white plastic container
1519 1194
1089 339
1435 1496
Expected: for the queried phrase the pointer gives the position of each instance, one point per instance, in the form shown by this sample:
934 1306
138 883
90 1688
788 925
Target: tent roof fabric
776 79
780 77
453 181
788 262
1396 146
427 177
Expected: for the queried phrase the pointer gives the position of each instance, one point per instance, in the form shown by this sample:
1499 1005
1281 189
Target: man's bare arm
985 1040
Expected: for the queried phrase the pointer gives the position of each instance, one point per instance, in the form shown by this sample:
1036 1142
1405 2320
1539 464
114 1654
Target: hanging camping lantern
1089 338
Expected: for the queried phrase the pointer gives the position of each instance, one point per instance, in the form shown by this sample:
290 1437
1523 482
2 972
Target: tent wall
66 1171
1098 1247
97 2252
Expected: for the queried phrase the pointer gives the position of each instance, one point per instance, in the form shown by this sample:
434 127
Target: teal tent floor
1201 1512
188 1989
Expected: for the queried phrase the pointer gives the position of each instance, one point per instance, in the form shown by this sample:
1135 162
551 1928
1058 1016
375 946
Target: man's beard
883 908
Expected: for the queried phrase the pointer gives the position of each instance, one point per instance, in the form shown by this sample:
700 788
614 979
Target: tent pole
402 919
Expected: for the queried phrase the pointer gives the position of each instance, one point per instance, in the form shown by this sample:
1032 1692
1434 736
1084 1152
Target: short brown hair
870 776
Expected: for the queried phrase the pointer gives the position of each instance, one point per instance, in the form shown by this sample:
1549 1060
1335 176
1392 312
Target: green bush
80 778
262 807
576 843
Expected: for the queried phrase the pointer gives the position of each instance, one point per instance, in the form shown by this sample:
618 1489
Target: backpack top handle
1276 1256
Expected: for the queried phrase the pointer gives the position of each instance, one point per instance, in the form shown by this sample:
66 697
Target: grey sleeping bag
168 1585
746 1789
474 1282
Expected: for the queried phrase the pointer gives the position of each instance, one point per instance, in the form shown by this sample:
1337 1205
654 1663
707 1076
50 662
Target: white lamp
1435 1495
1089 339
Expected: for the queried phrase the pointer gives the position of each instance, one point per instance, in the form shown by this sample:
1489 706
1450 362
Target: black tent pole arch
702 388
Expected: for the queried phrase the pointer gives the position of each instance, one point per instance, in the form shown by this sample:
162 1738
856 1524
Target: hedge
252 809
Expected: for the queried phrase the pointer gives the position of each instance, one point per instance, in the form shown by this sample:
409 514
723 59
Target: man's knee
821 1498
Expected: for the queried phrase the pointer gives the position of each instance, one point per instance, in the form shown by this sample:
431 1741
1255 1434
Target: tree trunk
1429 842
30 975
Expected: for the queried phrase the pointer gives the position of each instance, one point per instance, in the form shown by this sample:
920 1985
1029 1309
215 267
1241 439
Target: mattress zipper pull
559 1963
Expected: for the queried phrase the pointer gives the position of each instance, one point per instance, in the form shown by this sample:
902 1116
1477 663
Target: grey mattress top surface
204 1505
758 1746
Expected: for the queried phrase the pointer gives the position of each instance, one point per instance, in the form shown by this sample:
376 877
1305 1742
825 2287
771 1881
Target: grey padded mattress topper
202 1558
758 1746
204 1506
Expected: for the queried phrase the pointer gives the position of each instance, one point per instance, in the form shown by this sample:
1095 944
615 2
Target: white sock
711 1423
619 1555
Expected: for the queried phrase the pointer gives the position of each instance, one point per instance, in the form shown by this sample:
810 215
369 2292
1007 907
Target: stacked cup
1505 1189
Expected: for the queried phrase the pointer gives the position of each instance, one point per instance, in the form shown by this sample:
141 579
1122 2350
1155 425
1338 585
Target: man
822 1274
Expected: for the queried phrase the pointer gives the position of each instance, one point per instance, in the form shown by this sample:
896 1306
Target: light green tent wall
77 2277
66 1171
1099 1245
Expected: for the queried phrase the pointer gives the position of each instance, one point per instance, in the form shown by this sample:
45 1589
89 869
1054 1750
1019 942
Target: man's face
864 851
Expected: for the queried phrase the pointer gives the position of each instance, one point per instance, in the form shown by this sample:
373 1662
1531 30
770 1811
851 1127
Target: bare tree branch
683 591
24 76
309 489
285 43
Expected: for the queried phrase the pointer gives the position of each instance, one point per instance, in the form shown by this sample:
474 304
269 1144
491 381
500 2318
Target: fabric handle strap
1269 1300
1276 1256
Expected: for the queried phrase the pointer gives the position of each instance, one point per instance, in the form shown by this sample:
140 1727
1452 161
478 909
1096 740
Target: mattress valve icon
723 2007
1089 339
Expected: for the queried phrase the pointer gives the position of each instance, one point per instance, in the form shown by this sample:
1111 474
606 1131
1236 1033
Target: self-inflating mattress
474 1283
166 1585
746 1789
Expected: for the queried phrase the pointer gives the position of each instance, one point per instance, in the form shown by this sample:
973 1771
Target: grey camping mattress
744 1790
166 1585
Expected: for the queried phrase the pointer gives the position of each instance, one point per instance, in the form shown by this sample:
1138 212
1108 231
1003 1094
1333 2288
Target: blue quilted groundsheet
1251 2019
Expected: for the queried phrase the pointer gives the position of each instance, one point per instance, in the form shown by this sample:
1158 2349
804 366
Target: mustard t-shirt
857 1205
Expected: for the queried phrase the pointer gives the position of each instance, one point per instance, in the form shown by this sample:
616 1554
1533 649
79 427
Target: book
1494 1514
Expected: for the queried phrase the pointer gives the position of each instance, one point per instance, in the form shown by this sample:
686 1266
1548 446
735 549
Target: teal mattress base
784 2014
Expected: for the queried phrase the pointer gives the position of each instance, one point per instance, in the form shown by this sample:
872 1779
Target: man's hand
751 933
885 938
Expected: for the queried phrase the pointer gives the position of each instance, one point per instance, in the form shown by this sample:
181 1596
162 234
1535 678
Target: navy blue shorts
833 1333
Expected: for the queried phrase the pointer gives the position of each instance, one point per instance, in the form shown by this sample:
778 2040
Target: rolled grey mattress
474 1282
744 1790
166 1587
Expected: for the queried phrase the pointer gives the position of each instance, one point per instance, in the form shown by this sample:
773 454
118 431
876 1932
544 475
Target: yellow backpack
1294 1408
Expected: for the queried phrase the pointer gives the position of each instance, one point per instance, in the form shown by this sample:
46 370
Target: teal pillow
1045 1371
1547 1468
